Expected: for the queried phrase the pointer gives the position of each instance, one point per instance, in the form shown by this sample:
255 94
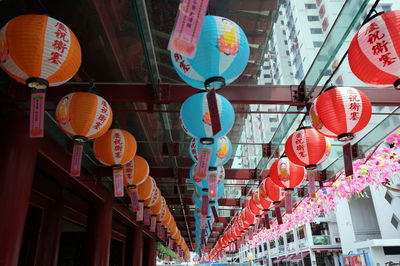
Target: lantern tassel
139 213
266 221
288 201
153 223
133 195
146 216
203 163
278 215
214 210
311 185
212 186
36 123
118 174
203 222
204 206
214 113
76 161
348 159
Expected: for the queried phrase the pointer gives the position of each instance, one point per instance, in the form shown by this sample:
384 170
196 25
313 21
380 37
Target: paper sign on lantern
187 28
204 161
37 115
118 180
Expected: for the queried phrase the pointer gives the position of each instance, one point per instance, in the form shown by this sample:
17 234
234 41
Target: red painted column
99 228
150 251
17 171
138 246
50 234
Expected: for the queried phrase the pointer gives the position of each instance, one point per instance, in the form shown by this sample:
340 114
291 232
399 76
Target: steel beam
237 94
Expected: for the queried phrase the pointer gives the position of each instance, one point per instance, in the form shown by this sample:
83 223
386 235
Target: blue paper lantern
201 186
195 117
221 150
222 54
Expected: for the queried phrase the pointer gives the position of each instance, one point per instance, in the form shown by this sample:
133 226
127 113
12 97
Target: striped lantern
136 171
288 176
340 112
271 192
115 148
222 54
307 147
195 117
39 51
82 116
375 49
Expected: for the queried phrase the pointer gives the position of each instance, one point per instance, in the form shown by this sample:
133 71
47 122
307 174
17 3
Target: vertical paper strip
288 201
146 216
139 213
203 163
186 32
118 182
170 243
214 112
203 222
212 186
36 122
159 230
153 223
311 185
348 159
214 211
76 159
278 215
133 195
204 206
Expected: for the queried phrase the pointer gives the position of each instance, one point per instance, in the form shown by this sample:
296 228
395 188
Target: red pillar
50 234
17 170
138 246
99 228
150 251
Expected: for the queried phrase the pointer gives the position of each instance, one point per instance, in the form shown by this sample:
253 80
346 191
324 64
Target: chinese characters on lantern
181 63
129 171
102 116
379 44
117 145
300 145
354 105
60 44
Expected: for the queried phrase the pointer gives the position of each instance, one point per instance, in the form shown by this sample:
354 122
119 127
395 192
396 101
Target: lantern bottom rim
216 83
345 136
396 84
311 167
37 83
207 141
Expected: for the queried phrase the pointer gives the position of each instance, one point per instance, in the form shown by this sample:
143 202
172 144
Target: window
289 63
259 248
325 24
267 76
285 42
316 31
287 52
290 237
283 23
265 246
280 241
280 12
317 44
313 18
310 6
395 221
388 197
284 32
272 244
300 232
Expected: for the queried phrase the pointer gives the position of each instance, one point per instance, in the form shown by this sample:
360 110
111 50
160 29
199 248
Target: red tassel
278 215
139 213
133 194
153 223
266 221
288 201
76 161
311 185
146 216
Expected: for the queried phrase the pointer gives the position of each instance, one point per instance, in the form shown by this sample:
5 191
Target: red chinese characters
59 45
117 145
181 62
102 117
379 44
354 105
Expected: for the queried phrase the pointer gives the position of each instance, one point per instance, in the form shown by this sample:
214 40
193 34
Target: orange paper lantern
39 51
82 116
115 148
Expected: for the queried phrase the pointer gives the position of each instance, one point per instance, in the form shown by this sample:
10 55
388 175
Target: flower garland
379 170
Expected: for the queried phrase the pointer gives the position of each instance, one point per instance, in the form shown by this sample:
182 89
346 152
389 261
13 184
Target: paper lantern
220 151
143 193
288 176
306 147
374 51
261 202
254 208
222 54
39 51
271 192
115 148
82 116
195 117
340 112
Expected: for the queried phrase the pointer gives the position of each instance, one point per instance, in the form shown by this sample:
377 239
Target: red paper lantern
254 208
340 112
260 201
287 175
271 192
374 50
306 147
